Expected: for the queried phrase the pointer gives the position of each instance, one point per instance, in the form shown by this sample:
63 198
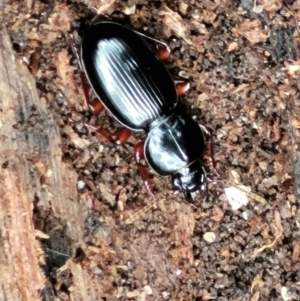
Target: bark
33 182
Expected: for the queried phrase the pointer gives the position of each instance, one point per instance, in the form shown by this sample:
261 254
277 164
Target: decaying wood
32 176
243 60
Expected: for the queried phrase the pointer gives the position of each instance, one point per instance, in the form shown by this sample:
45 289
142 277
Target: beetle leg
94 104
97 107
122 135
138 156
182 87
209 156
163 50
182 84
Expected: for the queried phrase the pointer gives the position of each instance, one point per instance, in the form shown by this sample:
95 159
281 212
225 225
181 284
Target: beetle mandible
135 87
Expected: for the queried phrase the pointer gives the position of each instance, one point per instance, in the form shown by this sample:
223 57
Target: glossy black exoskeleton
136 88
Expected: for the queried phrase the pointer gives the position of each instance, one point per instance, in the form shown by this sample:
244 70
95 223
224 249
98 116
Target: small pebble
209 237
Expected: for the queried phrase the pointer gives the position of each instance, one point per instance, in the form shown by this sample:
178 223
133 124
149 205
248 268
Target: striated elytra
136 88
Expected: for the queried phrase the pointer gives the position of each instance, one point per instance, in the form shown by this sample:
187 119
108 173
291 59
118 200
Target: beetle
134 85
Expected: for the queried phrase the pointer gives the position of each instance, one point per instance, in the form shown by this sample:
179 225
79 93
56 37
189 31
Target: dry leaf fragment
252 31
257 282
203 97
129 10
295 122
267 246
276 129
255 297
183 7
232 46
107 195
61 19
217 214
40 234
263 165
278 223
208 16
292 68
174 22
269 182
296 252
278 229
133 294
104 6
271 5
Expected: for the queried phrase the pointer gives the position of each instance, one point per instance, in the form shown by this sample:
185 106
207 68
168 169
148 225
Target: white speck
142 296
80 185
236 176
117 157
178 272
245 215
166 295
101 148
289 294
147 289
25 60
49 173
257 9
129 265
129 10
182 73
120 205
236 197
97 271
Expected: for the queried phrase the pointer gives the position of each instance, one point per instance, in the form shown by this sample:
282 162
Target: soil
241 240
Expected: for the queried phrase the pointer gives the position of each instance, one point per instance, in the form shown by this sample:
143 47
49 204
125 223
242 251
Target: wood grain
32 179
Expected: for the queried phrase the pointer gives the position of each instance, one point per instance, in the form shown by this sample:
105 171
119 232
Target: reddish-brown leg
163 50
139 156
182 87
182 84
209 152
97 107
121 136
94 104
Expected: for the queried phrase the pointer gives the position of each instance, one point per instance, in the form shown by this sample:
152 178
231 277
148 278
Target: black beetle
136 88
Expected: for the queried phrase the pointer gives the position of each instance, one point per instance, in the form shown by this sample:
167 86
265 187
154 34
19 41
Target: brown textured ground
243 59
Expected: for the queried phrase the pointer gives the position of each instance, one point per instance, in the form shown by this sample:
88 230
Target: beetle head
190 179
